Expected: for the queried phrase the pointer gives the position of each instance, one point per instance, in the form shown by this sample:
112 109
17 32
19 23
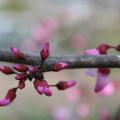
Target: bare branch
77 61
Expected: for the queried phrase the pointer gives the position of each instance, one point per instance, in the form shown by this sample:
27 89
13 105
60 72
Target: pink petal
102 82
11 95
108 90
20 68
92 52
71 83
4 102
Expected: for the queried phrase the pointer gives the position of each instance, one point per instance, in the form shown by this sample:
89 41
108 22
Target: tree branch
77 61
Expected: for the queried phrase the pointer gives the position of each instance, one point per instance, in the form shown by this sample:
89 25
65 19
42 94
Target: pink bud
21 84
60 66
103 48
41 87
47 90
38 86
20 68
32 69
6 70
91 72
62 85
11 95
17 53
104 71
45 51
21 76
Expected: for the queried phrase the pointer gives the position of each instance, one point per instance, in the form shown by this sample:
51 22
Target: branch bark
76 61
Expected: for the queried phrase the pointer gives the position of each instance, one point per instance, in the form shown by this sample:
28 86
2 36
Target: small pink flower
20 68
17 53
6 70
62 85
11 95
102 79
41 87
60 66
44 53
22 76
108 90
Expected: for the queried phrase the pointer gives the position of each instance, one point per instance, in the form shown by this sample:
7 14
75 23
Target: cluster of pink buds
102 73
24 73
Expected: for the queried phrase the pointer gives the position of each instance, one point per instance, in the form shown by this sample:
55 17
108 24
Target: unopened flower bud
21 76
41 87
17 53
11 95
32 69
45 51
6 70
20 68
62 85
21 84
103 48
60 66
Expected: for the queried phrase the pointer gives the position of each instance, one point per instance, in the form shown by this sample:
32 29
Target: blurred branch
76 61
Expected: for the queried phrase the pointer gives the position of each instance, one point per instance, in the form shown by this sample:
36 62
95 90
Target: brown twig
75 62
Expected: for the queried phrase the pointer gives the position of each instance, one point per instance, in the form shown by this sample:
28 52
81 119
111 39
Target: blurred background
71 26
